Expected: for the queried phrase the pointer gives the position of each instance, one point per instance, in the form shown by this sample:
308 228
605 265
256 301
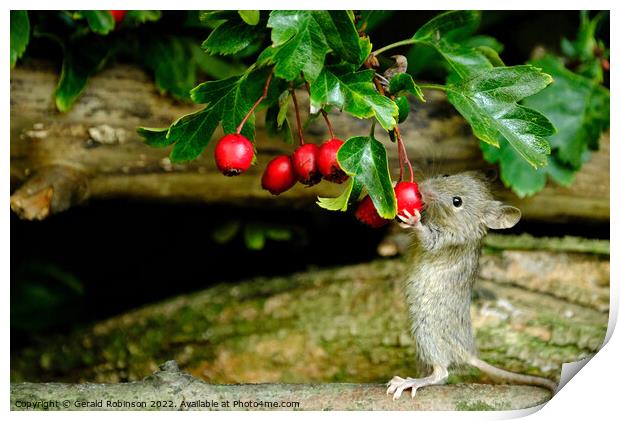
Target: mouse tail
511 377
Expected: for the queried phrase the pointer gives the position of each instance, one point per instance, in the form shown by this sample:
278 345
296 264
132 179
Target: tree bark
60 160
171 389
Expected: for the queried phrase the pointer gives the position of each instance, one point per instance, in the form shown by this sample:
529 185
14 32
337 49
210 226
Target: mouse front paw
408 220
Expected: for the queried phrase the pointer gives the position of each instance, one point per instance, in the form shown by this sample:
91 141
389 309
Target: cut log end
51 190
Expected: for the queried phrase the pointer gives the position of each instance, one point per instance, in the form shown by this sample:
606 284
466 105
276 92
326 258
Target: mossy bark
346 324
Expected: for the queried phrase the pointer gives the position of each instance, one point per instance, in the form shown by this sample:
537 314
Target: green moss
478 406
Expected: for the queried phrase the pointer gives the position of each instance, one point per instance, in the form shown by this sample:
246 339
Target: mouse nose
426 193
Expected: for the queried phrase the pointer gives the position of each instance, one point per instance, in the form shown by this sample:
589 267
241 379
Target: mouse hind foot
398 385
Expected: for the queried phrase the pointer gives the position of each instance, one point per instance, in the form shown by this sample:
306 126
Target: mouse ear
501 216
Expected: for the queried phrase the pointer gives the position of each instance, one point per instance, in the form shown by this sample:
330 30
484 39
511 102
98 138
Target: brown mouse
458 211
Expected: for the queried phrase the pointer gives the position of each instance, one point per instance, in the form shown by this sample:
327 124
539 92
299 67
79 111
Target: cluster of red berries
234 154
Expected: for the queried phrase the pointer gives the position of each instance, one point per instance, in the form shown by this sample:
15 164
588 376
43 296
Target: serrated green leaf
341 203
230 37
489 102
228 101
458 23
82 58
404 82
365 158
578 107
354 93
442 33
251 17
156 137
515 172
20 34
302 38
99 21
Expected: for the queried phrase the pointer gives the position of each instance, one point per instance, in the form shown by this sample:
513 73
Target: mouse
457 213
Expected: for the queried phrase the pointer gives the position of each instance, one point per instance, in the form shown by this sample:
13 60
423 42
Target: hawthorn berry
234 154
328 162
118 15
408 197
279 175
367 214
305 164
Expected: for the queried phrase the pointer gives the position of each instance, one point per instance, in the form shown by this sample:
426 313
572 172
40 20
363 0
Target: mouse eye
457 201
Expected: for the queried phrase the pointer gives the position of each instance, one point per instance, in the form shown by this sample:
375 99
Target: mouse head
462 206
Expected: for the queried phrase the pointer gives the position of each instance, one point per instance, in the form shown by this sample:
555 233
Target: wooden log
347 324
173 390
98 139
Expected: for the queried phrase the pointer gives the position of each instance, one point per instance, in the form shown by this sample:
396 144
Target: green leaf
457 23
230 37
341 203
515 172
578 107
403 82
403 108
489 102
171 59
135 17
251 17
226 231
302 38
155 137
442 32
254 236
365 158
83 58
100 21
354 93
20 34
277 124
228 101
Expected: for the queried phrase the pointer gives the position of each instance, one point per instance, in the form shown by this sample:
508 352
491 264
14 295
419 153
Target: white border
591 394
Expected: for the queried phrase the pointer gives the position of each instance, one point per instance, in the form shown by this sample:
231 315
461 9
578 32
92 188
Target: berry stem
400 163
324 113
329 125
297 117
405 157
394 45
258 101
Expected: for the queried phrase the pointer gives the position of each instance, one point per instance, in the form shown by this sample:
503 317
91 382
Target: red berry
305 160
408 197
279 175
367 213
233 154
328 164
118 15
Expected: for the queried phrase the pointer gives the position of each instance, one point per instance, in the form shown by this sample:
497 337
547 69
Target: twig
258 101
297 117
